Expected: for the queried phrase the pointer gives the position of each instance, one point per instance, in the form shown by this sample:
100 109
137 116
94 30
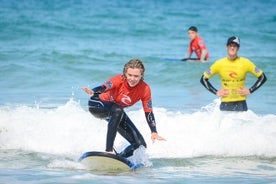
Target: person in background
109 100
232 71
197 46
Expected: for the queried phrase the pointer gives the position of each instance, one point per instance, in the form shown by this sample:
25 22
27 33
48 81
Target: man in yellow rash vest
232 71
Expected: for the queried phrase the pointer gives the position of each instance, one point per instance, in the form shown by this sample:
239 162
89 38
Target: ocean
49 49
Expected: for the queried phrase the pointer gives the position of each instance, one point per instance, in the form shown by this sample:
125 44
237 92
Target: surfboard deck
102 161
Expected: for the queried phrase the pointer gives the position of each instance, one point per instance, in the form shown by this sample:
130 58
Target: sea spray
70 129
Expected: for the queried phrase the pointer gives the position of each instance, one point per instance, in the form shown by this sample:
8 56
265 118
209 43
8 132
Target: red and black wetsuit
109 102
197 45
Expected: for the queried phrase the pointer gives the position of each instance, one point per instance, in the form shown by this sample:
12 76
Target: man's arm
187 57
261 80
205 82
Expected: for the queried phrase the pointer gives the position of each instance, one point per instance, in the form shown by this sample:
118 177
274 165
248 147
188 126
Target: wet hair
135 63
192 28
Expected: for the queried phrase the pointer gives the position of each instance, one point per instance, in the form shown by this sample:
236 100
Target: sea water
50 49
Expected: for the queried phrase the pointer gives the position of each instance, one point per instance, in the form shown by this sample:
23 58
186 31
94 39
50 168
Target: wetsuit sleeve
99 89
147 105
205 82
151 121
261 80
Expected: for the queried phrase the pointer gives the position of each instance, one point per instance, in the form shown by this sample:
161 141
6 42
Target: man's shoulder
221 60
245 59
199 40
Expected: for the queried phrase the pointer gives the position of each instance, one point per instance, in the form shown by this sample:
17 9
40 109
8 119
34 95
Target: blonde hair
135 63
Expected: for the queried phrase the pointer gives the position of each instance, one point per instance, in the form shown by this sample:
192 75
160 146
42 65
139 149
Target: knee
97 108
98 113
139 142
142 143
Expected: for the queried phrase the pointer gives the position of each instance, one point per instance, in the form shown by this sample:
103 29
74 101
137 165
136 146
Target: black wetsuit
117 121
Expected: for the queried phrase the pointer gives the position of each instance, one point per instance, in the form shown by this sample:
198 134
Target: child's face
133 76
192 34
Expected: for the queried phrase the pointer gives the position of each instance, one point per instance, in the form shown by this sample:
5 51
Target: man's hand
243 91
223 92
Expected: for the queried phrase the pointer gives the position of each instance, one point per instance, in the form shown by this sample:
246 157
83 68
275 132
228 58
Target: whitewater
70 130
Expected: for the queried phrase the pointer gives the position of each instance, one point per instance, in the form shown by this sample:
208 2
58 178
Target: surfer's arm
151 121
205 82
203 55
187 57
97 90
261 80
152 125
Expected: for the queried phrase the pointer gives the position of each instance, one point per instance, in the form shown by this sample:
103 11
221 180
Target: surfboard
102 161
191 60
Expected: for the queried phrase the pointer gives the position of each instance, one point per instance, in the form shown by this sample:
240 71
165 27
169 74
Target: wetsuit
109 102
197 45
233 76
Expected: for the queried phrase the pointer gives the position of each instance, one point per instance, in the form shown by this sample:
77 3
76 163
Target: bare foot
110 152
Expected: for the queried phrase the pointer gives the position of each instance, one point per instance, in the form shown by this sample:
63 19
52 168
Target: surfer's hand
154 136
243 91
223 92
88 91
110 152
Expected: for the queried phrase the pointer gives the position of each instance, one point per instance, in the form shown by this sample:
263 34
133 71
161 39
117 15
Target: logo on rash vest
149 104
257 70
126 100
233 74
108 84
208 72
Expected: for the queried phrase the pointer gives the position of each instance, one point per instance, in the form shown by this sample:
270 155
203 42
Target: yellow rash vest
233 75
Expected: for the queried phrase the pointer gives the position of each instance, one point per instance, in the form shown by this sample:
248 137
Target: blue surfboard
102 161
190 60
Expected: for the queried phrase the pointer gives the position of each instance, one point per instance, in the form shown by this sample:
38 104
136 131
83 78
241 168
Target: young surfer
109 100
197 46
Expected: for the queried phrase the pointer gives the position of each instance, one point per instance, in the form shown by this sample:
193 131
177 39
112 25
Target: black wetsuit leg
233 106
128 130
117 121
98 108
109 111
116 115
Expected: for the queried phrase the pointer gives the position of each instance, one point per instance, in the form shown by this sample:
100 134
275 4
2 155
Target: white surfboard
102 161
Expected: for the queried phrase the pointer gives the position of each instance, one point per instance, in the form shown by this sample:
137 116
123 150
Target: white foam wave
69 129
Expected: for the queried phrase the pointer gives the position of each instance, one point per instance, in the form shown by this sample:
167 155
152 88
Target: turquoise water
50 49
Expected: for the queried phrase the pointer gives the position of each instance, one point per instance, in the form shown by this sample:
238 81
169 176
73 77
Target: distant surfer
197 46
109 100
232 71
